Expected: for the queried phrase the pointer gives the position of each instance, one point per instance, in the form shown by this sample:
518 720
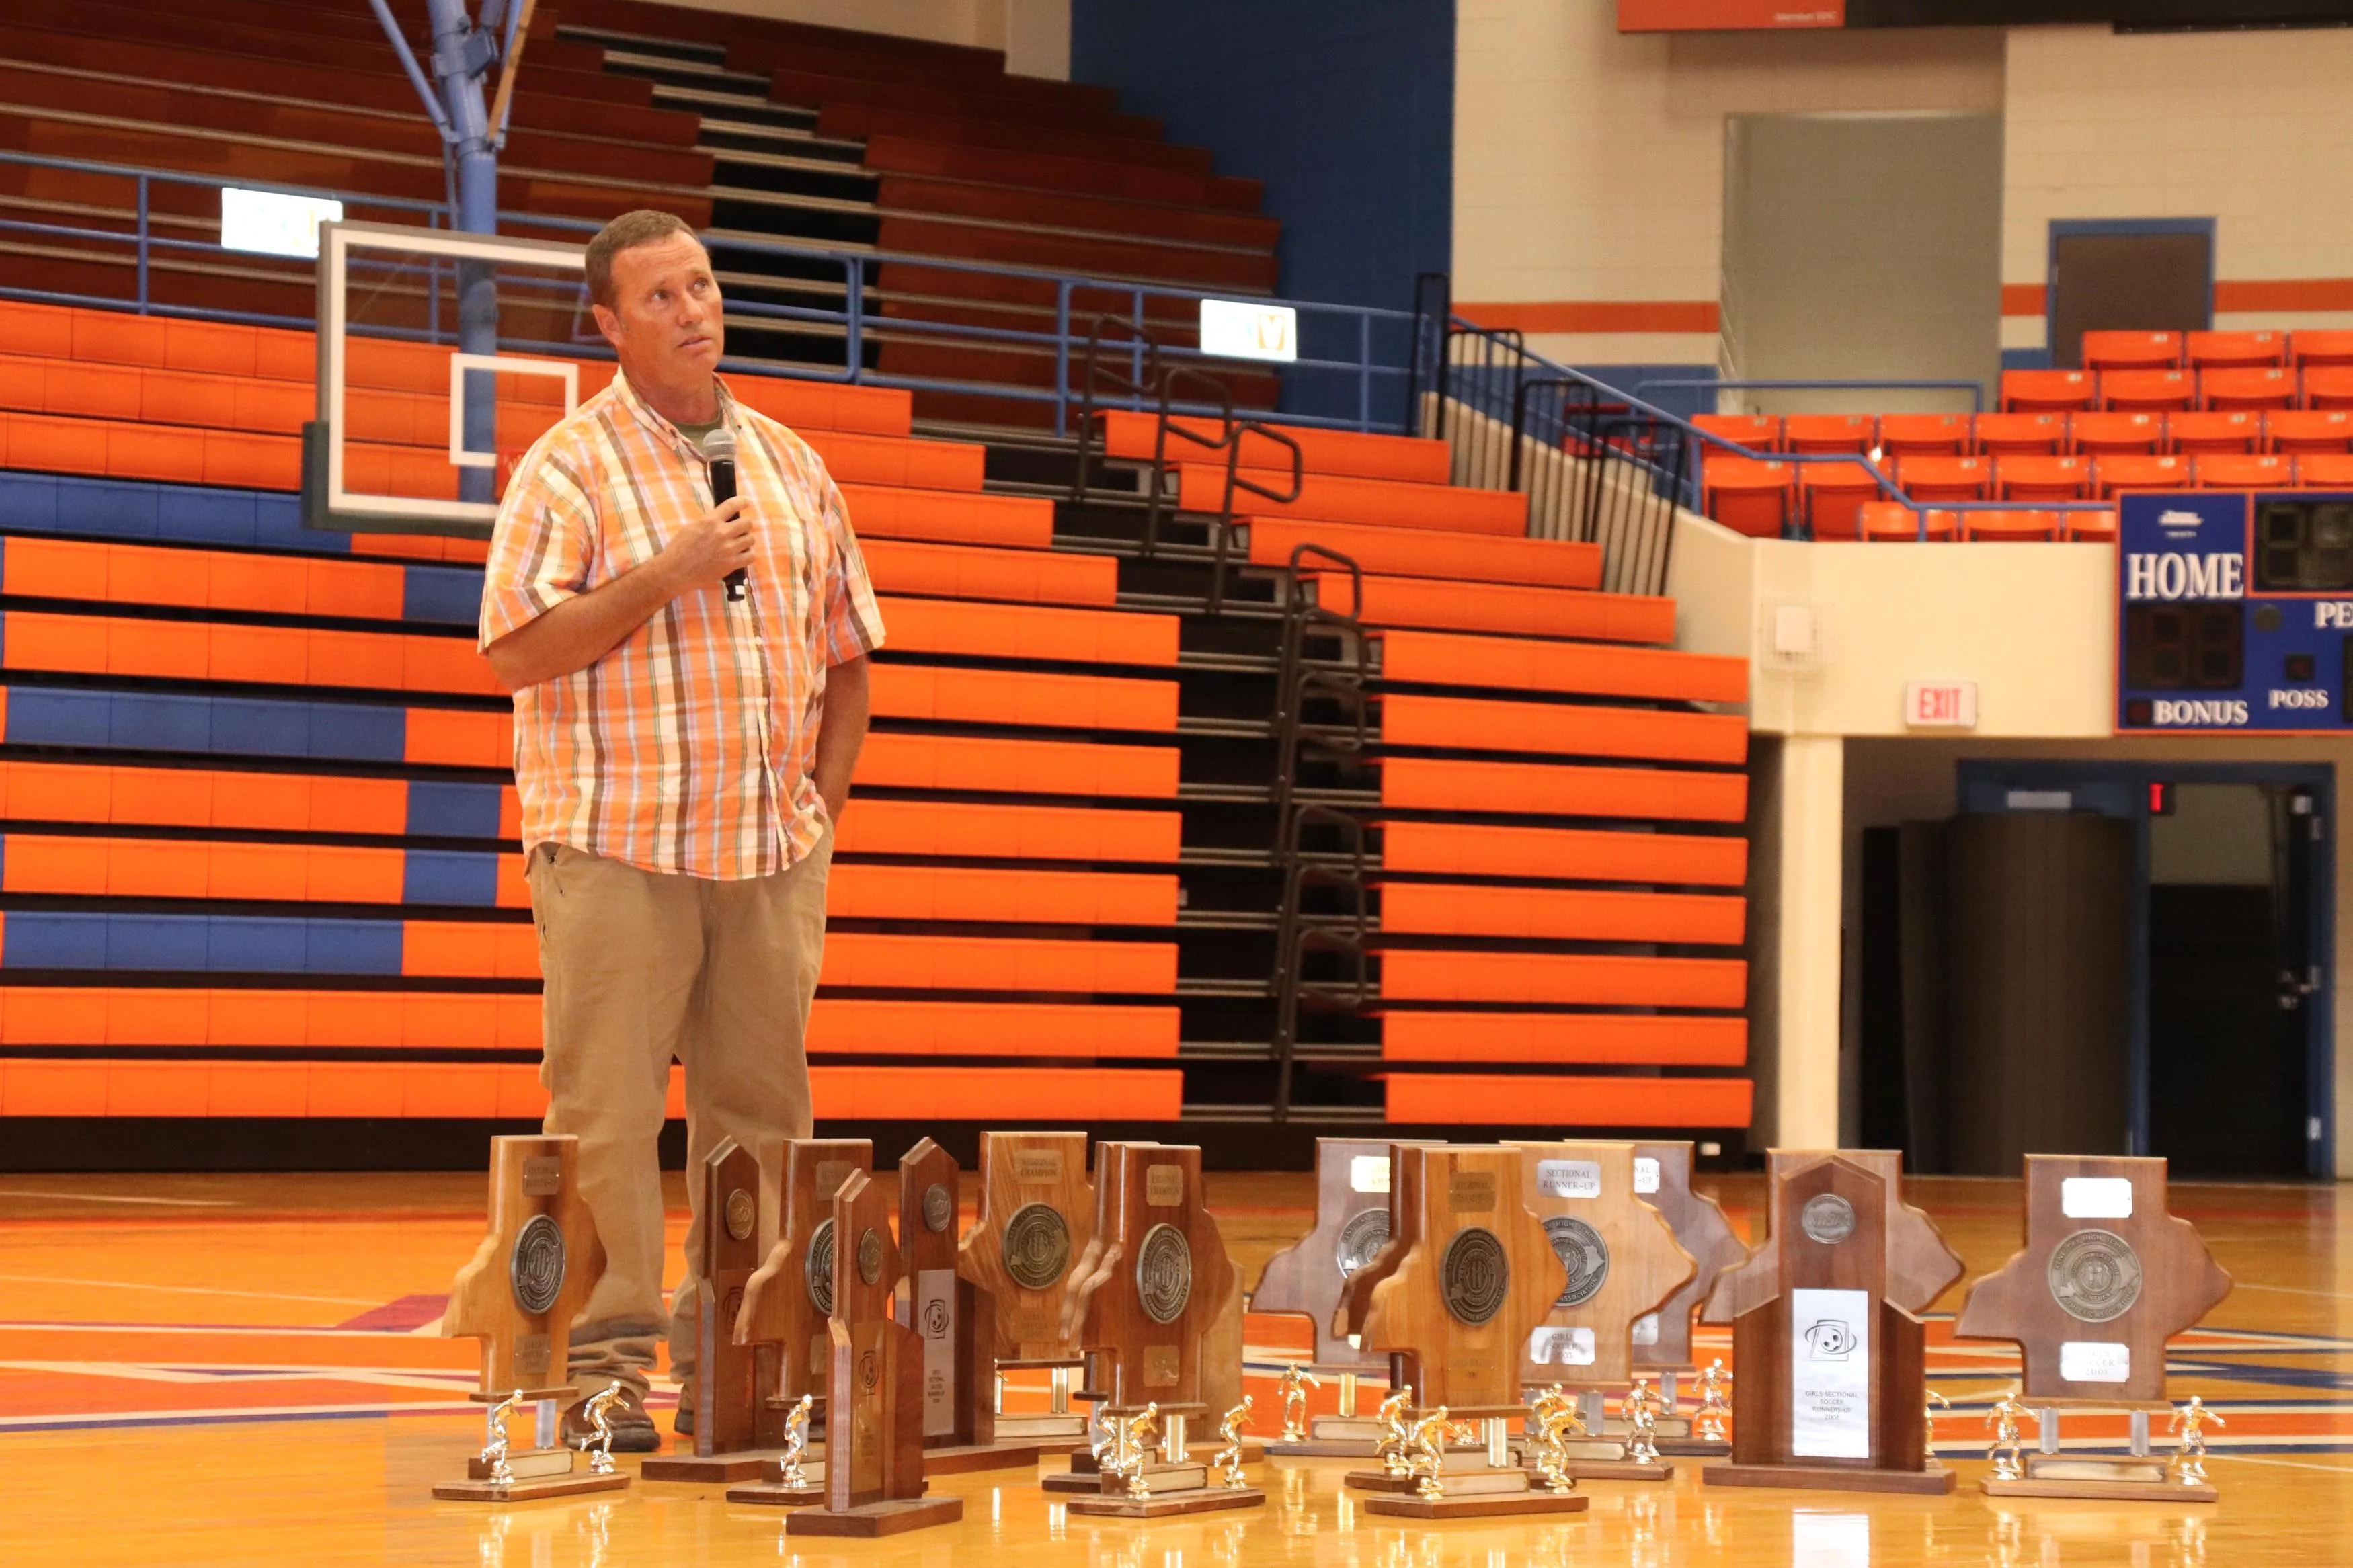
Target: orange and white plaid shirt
691 747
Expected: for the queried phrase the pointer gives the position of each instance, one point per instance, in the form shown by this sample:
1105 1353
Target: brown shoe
633 1430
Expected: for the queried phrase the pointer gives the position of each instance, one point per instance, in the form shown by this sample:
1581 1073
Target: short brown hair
631 229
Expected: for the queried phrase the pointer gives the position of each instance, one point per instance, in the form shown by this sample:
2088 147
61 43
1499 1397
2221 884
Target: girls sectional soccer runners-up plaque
2234 612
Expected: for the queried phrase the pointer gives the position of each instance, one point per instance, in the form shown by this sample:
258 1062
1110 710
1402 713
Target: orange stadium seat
2040 478
2020 435
2160 390
1924 435
2243 471
2090 527
2218 351
2325 470
2235 430
1757 432
2045 392
2131 350
2138 472
1828 432
2309 430
1945 479
2095 434
2333 346
2329 386
1893 522
1747 495
1829 494
2247 386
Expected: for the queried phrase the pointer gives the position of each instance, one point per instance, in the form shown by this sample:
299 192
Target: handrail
1364 366
1234 482
1292 679
1165 426
1975 389
1296 934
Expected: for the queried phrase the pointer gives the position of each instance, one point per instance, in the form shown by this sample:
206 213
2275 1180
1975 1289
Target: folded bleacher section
758 132
2152 411
256 836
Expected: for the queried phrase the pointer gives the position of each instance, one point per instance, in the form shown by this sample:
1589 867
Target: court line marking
187 1290
111 1198
2288 1464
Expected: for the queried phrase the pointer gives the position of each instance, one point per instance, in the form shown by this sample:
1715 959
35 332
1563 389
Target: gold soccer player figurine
1557 1421
1430 1436
1132 1449
797 1424
1643 1416
1296 1380
599 1444
1229 1458
2008 1452
1707 1422
1928 1425
2190 1422
494 1451
1390 1448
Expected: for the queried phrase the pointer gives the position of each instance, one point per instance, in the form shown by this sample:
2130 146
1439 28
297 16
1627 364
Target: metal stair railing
1237 484
1294 680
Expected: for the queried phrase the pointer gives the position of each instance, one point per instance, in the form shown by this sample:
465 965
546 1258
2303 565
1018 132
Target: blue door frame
2121 790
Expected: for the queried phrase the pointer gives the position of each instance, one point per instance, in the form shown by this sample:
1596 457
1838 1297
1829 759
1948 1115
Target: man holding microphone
682 758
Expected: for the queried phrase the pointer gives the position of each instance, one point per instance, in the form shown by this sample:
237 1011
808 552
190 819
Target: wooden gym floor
230 1370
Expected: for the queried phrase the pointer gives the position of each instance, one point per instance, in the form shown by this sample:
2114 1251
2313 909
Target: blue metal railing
1352 366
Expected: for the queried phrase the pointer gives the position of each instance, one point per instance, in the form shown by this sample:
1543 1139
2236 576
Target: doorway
2155 275
2095 957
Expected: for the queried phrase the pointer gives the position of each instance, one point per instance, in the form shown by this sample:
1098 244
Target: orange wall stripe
1595 315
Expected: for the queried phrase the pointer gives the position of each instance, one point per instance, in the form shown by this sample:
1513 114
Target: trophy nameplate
789 1298
735 1432
2107 1277
1153 1284
1832 1383
874 1385
1467 1276
519 1294
1623 1264
944 1311
1035 1215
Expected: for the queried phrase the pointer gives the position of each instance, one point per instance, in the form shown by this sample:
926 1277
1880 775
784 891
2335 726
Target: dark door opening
2127 278
2230 952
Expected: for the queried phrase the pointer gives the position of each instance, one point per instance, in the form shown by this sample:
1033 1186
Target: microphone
719 451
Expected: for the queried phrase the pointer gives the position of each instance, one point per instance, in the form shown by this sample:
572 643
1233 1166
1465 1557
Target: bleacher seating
755 129
254 815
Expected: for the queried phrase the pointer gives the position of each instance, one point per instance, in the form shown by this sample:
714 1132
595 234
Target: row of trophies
1503 1291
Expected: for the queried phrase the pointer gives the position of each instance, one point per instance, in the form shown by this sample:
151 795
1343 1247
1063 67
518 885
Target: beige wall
1034 34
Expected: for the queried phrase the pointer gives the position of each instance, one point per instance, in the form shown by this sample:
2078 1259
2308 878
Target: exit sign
1941 705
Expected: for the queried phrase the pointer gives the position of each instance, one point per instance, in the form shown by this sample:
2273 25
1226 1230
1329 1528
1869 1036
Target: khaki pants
642 968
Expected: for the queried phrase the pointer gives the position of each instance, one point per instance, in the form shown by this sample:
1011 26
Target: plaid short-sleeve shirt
691 746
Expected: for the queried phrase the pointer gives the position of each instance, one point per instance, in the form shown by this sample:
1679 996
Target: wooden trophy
1662 1340
1352 1225
1468 1274
1623 1264
519 1295
1036 1214
735 1429
2107 1277
959 1362
1157 1280
1832 1380
1084 1475
789 1298
874 1385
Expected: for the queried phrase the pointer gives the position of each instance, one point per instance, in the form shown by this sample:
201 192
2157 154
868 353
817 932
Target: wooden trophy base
2134 1479
957 1458
1491 1506
712 1469
1161 1505
1055 1434
1618 1470
538 1473
1828 1478
770 1488
1694 1449
876 1519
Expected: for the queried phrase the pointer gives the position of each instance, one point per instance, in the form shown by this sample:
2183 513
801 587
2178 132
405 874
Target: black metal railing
1297 931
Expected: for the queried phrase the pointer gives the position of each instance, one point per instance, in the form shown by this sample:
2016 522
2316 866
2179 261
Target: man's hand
707 549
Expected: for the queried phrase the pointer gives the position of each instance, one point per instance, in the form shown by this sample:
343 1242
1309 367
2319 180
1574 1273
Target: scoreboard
2234 613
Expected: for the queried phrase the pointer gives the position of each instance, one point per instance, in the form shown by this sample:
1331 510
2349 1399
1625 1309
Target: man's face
666 321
